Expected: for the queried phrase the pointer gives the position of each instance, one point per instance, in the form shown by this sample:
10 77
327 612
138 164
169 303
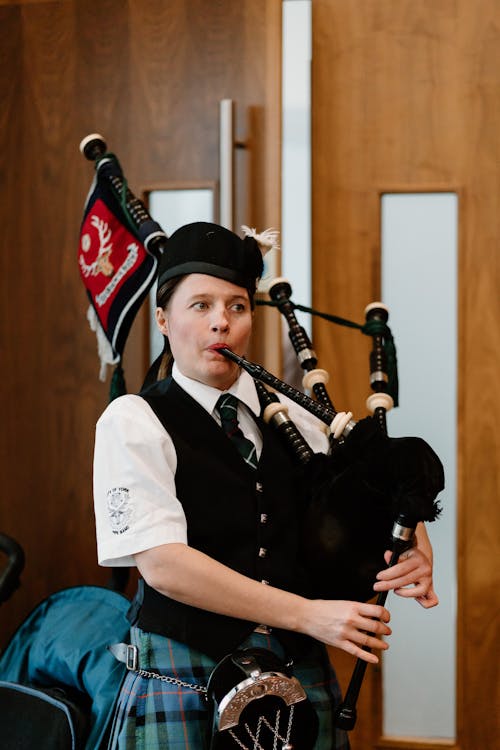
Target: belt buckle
131 658
263 629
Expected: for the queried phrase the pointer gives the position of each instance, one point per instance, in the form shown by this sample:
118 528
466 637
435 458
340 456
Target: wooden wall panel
149 76
405 97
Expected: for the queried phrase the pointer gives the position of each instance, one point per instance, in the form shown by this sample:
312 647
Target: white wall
296 154
419 284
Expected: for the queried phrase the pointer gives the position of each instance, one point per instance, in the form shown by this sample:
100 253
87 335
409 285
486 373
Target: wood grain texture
149 77
406 94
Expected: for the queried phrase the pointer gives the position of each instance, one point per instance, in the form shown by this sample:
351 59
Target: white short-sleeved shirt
135 502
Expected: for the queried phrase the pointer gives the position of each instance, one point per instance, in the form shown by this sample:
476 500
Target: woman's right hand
350 626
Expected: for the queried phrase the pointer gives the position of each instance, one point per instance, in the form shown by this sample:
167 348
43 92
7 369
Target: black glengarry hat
211 249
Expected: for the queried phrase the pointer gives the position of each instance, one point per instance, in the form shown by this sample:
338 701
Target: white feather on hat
266 240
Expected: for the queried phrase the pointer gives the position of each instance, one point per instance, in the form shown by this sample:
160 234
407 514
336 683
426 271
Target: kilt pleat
152 714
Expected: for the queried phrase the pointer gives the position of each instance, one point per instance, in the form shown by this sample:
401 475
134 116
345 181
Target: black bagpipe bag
354 497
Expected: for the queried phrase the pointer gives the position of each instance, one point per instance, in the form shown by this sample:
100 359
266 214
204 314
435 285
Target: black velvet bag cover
356 495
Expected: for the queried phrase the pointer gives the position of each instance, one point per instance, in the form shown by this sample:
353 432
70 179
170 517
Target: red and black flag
117 262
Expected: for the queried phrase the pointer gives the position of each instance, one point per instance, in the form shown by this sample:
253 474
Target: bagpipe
366 496
369 494
370 491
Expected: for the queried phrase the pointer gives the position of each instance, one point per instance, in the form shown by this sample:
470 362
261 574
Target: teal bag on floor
63 644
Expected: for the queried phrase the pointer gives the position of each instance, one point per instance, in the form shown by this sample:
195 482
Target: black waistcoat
248 520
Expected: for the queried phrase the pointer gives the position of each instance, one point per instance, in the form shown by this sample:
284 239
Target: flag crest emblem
109 257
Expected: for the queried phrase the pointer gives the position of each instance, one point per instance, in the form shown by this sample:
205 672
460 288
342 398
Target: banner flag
115 266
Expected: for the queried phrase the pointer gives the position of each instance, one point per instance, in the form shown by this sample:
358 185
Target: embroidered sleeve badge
119 509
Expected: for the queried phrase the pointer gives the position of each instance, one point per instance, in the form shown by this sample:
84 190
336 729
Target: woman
215 539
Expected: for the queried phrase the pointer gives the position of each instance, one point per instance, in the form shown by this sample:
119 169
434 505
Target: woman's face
202 312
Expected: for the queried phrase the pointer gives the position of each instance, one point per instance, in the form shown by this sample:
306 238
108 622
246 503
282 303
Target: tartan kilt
152 714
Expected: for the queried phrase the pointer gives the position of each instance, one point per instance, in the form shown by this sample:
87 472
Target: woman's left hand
411 577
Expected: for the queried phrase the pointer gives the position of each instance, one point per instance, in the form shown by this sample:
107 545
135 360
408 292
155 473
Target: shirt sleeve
135 501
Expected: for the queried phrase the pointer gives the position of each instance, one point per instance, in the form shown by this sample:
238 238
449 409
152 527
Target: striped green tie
227 406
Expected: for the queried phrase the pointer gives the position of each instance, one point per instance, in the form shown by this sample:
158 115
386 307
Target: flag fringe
104 349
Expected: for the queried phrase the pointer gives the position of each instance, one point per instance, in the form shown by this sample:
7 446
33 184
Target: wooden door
405 98
149 76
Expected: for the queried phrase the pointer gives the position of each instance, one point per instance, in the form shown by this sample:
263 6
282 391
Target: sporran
257 704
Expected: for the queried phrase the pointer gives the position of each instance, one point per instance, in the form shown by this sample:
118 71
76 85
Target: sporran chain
171 680
274 730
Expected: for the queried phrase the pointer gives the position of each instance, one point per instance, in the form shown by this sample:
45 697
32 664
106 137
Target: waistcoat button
262 552
263 517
